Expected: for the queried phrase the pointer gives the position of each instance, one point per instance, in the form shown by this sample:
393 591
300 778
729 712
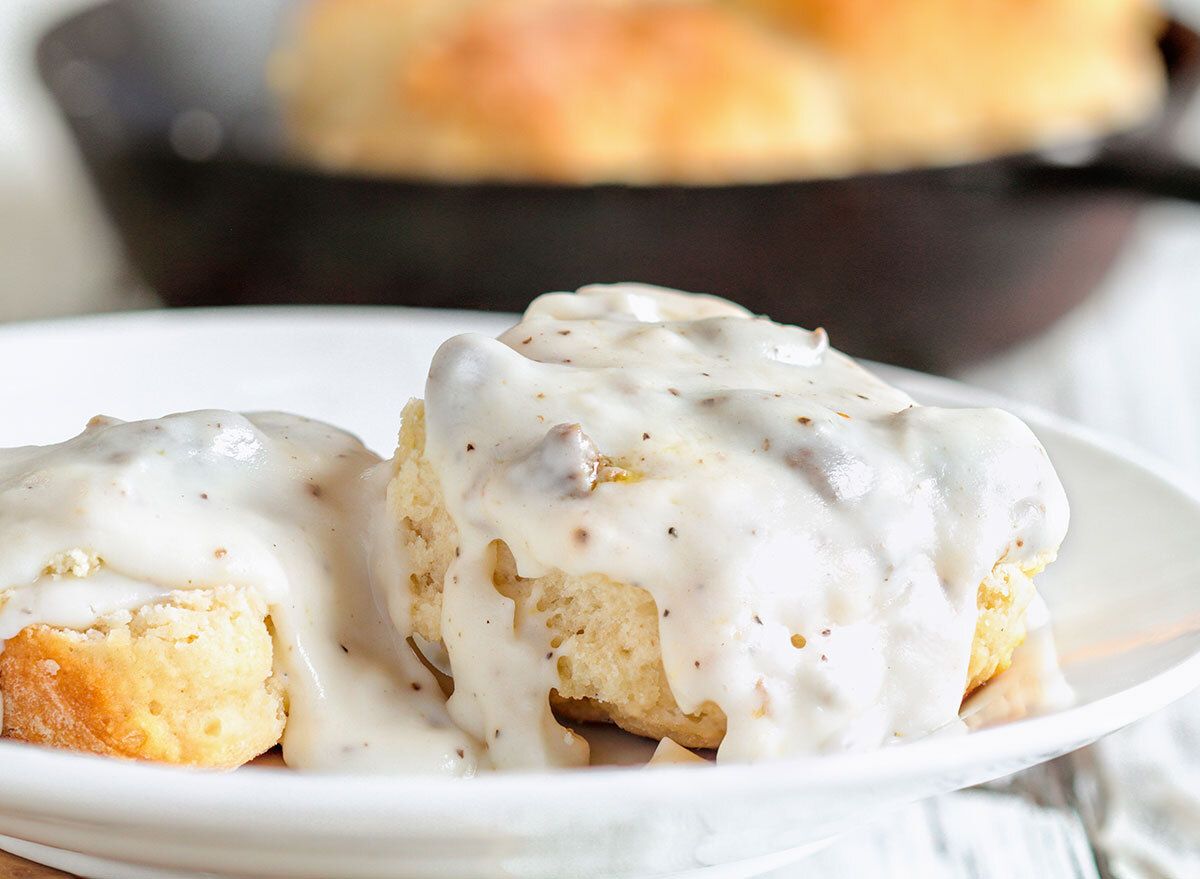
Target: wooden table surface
12 867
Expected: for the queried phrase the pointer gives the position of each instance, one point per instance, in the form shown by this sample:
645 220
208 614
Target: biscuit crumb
73 563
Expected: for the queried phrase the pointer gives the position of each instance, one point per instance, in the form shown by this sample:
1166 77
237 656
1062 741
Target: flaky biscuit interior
610 664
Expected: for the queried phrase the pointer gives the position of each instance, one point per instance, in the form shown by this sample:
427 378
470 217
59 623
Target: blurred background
1001 191
930 181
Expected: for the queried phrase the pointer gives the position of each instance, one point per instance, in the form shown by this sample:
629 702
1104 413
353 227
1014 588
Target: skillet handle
1153 174
1147 163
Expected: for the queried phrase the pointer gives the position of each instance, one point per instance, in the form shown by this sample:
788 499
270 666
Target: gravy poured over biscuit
813 540
124 513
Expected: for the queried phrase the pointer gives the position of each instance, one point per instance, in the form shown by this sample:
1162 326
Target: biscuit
649 91
188 679
610 665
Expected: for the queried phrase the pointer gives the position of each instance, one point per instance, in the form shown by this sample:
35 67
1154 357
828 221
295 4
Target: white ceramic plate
1123 597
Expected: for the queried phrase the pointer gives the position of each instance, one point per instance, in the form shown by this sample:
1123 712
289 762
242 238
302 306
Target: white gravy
276 503
813 540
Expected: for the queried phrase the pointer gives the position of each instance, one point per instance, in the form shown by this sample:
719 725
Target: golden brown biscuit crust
698 91
187 680
557 91
946 80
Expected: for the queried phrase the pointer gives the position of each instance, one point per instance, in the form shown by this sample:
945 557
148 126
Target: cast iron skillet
926 268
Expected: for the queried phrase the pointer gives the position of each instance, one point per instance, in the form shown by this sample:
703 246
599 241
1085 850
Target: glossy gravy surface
813 540
124 513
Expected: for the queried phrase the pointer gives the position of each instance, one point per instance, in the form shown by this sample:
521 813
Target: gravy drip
276 503
814 540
